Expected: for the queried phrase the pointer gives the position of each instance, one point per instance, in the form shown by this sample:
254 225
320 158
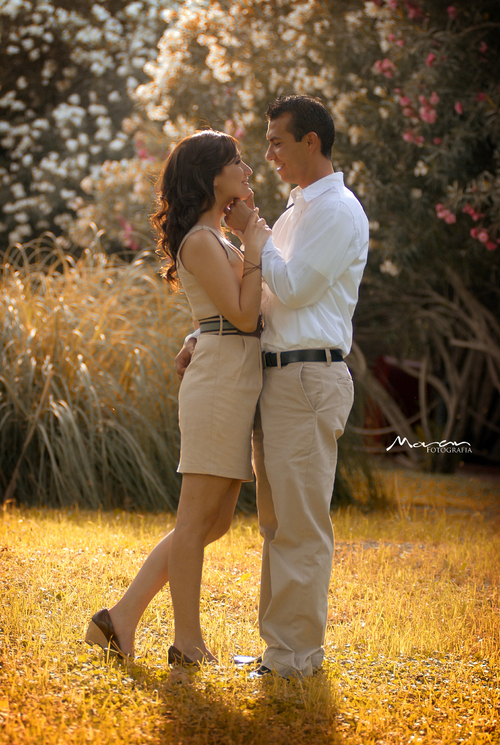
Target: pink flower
430 59
420 140
445 214
452 12
405 101
385 67
422 100
409 136
483 47
459 108
437 140
434 99
473 232
483 236
400 42
393 4
491 246
407 111
480 96
428 115
414 12
239 134
391 37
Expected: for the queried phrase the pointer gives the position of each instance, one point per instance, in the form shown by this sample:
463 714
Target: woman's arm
237 300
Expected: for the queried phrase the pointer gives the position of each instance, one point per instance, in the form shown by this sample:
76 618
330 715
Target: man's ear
313 142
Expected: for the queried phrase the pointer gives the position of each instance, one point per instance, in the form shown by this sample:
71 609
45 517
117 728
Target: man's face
289 156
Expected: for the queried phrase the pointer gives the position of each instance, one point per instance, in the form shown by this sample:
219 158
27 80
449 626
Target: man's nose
270 153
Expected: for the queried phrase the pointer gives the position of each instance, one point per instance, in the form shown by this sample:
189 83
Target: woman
218 395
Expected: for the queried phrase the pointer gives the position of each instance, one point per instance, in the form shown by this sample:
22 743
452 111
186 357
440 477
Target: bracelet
247 261
254 268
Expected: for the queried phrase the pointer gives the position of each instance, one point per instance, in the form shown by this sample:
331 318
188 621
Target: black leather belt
270 359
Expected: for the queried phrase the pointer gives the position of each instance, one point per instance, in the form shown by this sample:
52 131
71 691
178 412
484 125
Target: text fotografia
434 447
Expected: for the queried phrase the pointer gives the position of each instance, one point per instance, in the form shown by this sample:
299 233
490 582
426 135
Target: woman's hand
255 235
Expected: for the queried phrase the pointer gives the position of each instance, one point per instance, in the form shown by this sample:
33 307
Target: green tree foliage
413 88
68 75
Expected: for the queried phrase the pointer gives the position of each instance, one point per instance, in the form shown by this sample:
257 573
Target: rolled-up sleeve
321 257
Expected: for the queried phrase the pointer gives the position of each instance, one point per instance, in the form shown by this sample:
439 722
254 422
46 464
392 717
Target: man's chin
284 176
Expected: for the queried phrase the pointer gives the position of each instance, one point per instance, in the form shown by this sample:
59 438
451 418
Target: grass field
412 647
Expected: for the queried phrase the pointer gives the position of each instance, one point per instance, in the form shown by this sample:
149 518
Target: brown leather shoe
102 633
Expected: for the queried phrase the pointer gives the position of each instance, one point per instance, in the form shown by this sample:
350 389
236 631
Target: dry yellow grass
412 648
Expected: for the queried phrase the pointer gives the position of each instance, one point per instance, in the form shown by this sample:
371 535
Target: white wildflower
18 191
100 13
389 268
416 193
421 169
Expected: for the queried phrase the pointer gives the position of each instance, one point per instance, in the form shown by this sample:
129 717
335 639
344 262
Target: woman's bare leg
154 573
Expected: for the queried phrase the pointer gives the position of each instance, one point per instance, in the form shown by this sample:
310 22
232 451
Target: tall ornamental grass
88 391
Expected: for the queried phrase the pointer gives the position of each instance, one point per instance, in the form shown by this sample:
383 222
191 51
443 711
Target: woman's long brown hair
185 189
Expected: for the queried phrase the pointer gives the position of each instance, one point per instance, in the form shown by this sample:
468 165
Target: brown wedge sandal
102 633
176 657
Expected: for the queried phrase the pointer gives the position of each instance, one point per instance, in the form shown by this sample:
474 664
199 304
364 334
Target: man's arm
327 248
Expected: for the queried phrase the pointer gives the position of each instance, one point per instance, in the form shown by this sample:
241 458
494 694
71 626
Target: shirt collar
317 187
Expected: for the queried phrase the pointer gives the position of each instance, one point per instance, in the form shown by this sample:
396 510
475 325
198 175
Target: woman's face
232 182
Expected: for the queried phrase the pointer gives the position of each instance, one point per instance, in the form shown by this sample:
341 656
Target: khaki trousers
302 412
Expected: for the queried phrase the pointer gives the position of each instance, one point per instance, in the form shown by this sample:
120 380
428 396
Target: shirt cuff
194 335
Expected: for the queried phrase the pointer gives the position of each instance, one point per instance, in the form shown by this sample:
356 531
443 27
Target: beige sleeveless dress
219 392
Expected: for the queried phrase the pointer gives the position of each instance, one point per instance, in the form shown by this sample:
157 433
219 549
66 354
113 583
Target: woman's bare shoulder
202 244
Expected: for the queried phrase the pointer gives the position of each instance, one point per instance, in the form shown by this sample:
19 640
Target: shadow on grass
224 707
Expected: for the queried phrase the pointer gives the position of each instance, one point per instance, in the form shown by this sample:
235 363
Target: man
312 267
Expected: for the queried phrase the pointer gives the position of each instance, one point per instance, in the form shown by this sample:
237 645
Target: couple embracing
278 395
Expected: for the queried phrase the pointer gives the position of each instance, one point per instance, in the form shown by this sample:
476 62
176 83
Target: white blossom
389 268
421 169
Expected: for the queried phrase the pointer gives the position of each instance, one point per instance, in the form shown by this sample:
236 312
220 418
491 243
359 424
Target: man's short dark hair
308 115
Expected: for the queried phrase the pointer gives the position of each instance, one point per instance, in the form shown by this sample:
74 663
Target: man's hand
237 214
184 357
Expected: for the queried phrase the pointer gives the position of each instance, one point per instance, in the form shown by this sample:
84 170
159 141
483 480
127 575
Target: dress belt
221 326
280 359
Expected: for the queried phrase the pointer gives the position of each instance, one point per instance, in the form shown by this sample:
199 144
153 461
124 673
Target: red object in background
401 386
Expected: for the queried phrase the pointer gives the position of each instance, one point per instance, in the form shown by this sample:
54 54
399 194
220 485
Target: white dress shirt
312 267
